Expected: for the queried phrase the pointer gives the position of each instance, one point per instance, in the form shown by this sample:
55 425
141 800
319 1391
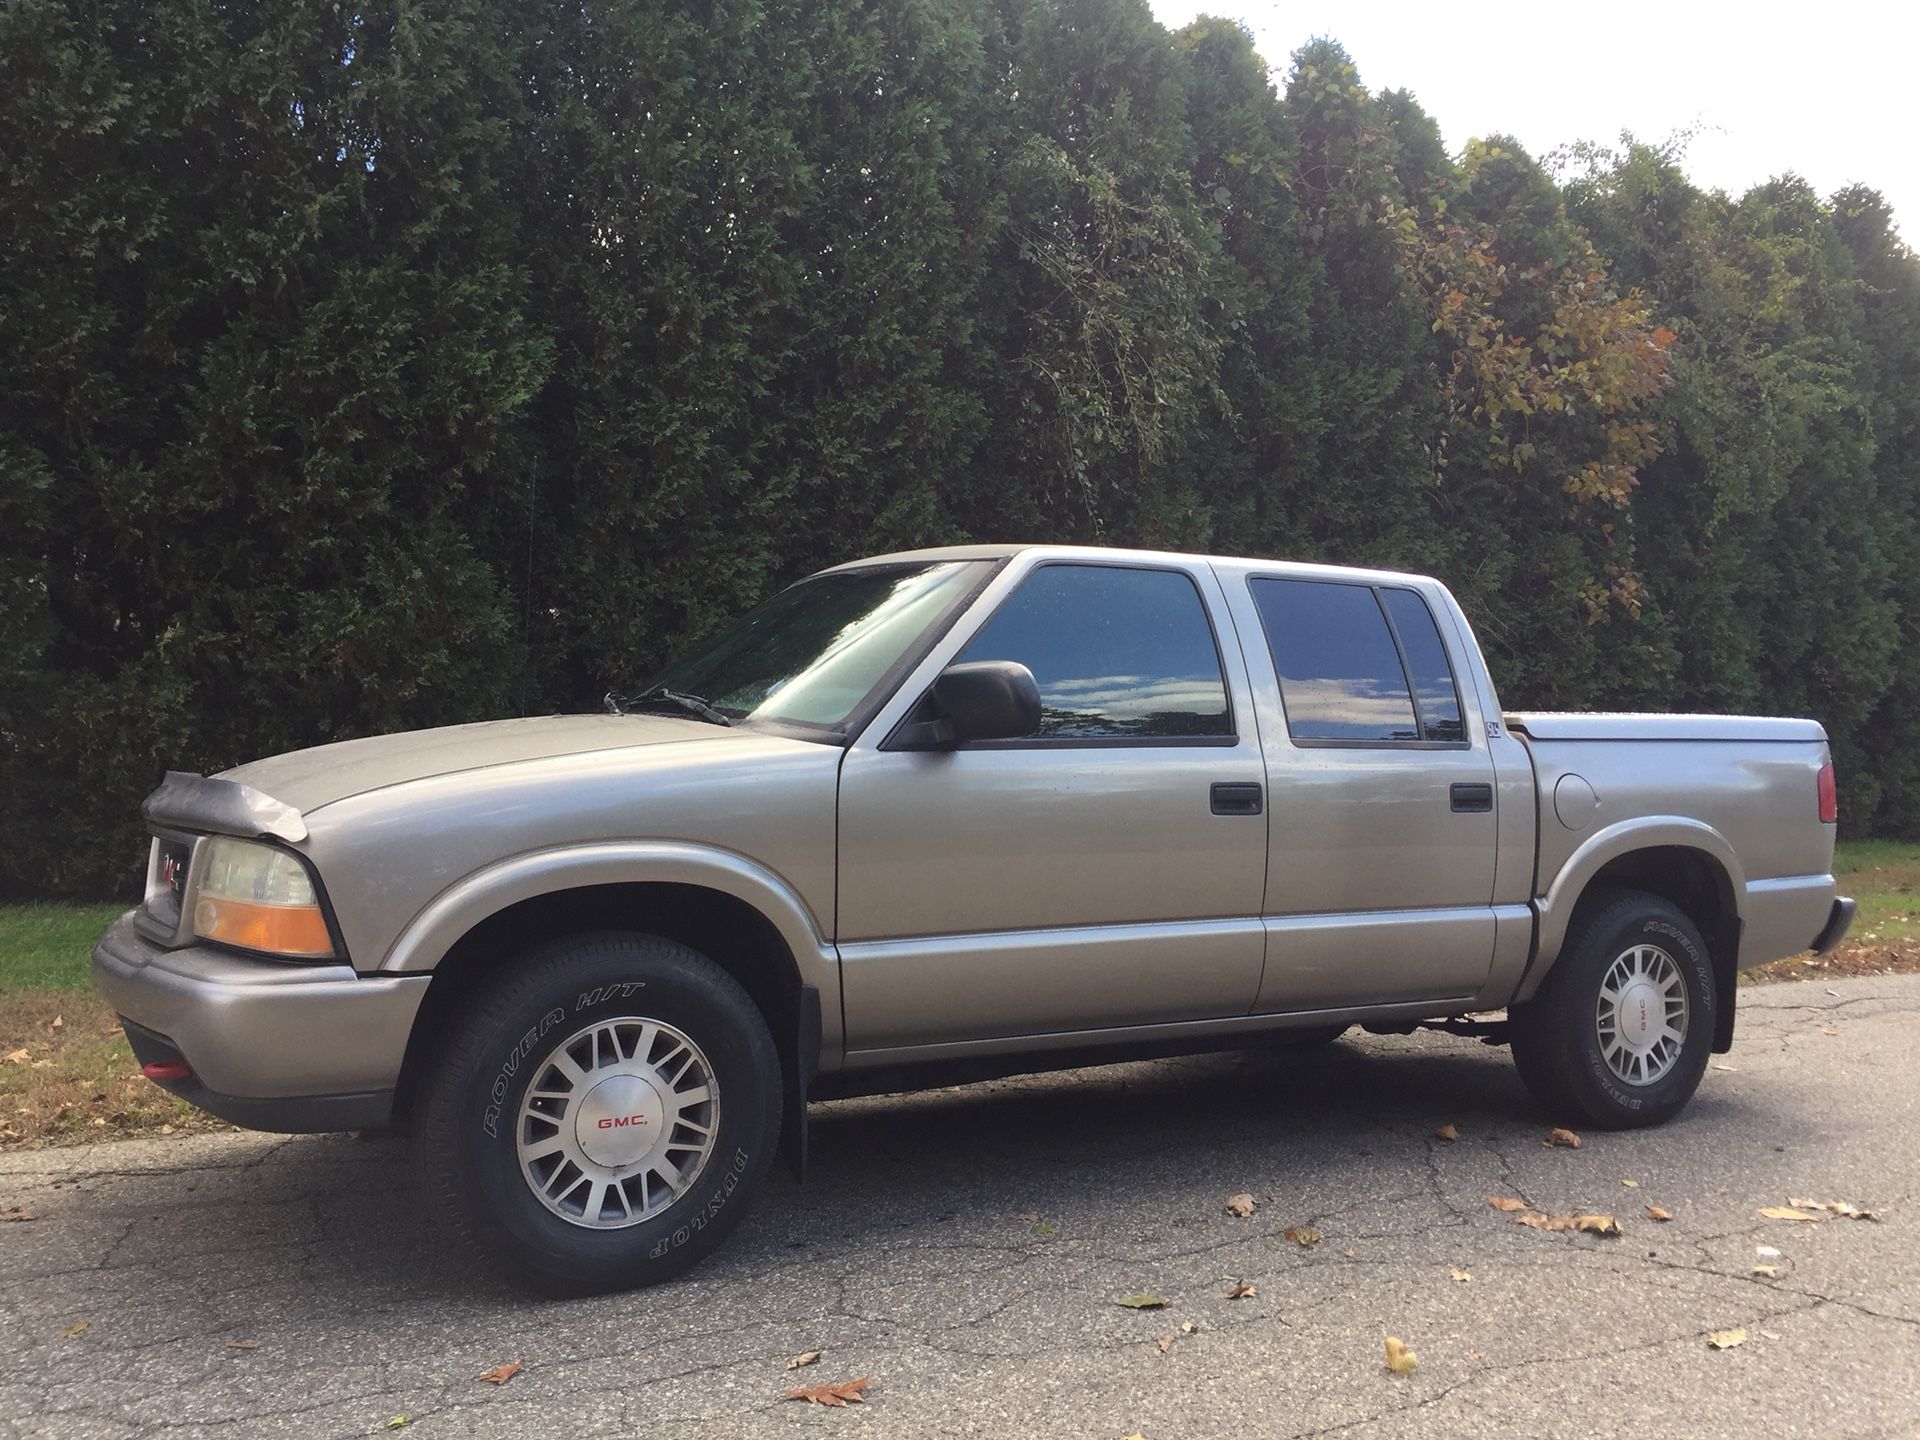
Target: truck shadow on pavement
1129 1147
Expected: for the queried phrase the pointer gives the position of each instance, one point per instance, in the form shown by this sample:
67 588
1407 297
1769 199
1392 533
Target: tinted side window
1116 652
1340 673
1432 673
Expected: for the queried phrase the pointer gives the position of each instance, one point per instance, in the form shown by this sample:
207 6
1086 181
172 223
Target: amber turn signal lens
299 930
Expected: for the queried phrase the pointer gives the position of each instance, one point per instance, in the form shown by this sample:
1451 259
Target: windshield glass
814 652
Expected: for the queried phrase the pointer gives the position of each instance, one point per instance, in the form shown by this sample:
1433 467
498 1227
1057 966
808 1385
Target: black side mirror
982 700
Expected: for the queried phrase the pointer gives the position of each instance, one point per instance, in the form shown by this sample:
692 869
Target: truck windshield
814 653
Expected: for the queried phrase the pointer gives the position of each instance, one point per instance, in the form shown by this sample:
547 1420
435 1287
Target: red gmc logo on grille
615 1122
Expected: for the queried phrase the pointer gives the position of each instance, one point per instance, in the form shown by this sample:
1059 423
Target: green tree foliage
380 367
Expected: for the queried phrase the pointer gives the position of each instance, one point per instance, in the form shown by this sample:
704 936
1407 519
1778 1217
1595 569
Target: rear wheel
599 1118
1619 1033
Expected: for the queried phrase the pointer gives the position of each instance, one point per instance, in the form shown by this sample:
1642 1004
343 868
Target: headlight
260 898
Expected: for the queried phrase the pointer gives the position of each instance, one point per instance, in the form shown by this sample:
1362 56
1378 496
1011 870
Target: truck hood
308 779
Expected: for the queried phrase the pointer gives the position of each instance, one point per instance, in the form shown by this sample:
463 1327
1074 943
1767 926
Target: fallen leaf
845 1393
1631 1184
75 1328
1828 1030
18 1057
243 1344
1461 1275
1448 1131
1400 1360
1305 1236
1189 1327
1589 1224
399 1422
1782 1212
1727 1339
808 1357
1240 1205
1654 1212
55 1023
1142 1302
1165 1342
1507 1203
1045 1228
1028 1217
15 1215
1835 1207
1349 1253
1765 1272
1242 1290
1557 1136
500 1374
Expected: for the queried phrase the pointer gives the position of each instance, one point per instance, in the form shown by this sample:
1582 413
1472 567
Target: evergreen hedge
383 366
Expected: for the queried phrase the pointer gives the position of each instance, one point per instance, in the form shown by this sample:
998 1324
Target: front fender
1555 908
486 892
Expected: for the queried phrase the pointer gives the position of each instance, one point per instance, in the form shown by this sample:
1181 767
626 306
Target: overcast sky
1830 90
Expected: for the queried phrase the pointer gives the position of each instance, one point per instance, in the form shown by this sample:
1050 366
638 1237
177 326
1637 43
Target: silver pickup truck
945 814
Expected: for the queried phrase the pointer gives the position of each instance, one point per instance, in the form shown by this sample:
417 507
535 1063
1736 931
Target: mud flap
1725 952
802 1055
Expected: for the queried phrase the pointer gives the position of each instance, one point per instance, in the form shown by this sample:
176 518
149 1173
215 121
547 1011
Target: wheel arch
1687 863
739 915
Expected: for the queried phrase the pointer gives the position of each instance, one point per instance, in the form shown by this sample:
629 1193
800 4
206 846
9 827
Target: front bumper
1839 920
271 1045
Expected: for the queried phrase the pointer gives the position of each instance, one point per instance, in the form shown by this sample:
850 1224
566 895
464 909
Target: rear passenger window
1117 653
1340 672
1434 693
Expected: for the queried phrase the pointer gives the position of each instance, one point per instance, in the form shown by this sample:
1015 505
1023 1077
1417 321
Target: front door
1105 872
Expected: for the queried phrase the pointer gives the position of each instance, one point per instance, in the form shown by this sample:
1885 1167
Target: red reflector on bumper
167 1070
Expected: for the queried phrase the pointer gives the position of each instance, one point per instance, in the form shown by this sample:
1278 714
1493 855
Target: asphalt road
912 1256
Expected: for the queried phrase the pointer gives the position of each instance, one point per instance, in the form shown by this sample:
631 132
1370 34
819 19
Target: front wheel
1619 1033
600 1116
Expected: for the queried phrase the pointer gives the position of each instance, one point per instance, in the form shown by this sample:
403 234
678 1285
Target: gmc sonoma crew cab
946 814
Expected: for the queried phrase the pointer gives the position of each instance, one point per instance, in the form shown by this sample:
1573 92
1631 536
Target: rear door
1105 872
1381 813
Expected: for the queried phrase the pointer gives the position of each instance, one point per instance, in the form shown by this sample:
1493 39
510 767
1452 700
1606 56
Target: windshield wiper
692 704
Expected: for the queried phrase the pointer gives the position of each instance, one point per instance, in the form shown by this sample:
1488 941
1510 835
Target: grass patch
1883 877
47 946
66 1073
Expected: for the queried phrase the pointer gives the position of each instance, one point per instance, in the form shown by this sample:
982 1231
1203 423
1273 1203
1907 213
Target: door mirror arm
981 700
936 734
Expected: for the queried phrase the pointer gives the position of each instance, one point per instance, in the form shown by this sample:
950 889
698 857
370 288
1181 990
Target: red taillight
1829 795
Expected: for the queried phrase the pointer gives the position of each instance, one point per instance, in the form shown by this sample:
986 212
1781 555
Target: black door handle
1236 799
1472 799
